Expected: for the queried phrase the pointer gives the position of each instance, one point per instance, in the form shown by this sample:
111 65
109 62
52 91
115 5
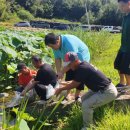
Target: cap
20 66
70 57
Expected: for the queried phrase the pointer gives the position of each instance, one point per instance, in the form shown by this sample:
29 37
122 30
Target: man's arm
30 85
69 85
58 63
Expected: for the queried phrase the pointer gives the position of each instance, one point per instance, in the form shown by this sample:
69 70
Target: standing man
122 61
101 90
62 44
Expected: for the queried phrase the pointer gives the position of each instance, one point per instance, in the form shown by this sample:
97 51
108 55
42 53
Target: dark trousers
20 89
41 91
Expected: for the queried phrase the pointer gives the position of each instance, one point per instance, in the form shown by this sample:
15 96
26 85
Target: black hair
126 1
36 58
21 65
50 38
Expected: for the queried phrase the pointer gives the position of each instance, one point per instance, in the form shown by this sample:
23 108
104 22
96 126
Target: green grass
115 120
103 47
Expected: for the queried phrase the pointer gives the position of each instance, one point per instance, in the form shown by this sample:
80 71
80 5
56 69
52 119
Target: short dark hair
20 66
50 38
36 58
126 1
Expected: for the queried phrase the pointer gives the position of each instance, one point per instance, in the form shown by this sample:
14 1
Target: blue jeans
20 89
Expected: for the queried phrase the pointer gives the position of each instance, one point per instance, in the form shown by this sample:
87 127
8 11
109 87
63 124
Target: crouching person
44 81
101 89
25 75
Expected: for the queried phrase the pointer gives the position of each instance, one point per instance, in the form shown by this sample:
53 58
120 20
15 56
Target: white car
111 29
22 24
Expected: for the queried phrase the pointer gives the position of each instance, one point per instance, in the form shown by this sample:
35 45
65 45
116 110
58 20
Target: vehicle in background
39 24
62 27
22 24
85 27
112 29
89 27
53 24
96 27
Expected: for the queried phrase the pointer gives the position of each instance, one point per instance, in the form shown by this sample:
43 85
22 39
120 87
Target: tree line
103 12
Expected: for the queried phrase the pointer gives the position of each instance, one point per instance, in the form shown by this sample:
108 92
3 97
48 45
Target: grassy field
103 47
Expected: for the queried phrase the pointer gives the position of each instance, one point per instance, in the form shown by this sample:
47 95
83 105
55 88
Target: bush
24 15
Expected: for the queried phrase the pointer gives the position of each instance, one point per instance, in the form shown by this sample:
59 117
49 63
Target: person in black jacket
101 90
45 77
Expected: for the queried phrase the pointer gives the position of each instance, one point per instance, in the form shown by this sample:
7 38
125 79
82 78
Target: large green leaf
23 125
11 68
16 41
25 116
48 60
10 51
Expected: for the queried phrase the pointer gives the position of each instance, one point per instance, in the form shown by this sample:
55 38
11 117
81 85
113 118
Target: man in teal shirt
122 61
62 44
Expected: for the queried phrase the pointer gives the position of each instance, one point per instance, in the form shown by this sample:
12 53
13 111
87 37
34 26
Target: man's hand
58 91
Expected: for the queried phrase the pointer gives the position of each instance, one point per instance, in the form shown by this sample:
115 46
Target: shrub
24 15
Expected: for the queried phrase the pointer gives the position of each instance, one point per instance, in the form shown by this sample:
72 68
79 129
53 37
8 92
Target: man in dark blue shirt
101 90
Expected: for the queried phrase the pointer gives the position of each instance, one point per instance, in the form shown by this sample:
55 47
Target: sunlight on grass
115 121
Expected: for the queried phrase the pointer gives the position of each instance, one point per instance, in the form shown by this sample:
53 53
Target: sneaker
120 85
65 101
78 99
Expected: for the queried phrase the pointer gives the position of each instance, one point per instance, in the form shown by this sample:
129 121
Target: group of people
72 58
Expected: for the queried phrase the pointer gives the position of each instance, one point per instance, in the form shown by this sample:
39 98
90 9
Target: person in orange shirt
25 75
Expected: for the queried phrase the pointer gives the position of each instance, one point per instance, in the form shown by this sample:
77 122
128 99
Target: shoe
65 100
120 85
78 99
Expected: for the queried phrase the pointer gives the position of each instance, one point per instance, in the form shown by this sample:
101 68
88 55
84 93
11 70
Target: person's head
52 41
36 61
71 59
22 68
124 5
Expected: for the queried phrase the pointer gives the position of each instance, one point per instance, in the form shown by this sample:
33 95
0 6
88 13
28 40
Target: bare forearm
65 82
29 87
65 69
67 85
58 63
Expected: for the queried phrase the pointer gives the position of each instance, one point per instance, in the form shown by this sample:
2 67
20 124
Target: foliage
25 15
103 47
115 120
2 7
104 12
16 47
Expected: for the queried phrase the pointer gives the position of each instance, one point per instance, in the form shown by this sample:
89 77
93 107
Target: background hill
103 12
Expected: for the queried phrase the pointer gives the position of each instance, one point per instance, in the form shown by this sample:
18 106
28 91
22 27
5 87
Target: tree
2 7
24 15
111 15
